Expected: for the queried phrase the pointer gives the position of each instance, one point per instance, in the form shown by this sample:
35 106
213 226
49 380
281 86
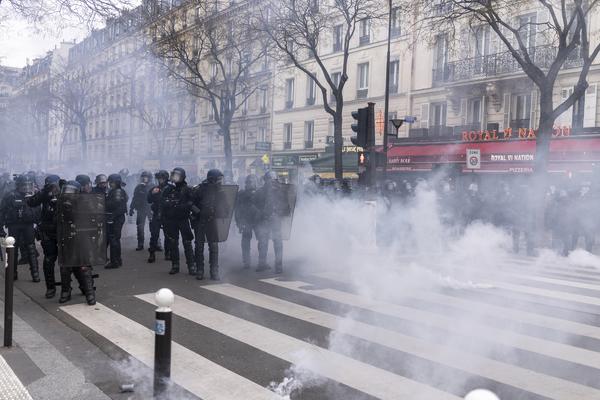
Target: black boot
174 269
188 250
151 257
49 279
65 285
139 247
33 263
214 273
90 292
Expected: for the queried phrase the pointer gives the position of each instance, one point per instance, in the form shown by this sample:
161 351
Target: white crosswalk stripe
313 301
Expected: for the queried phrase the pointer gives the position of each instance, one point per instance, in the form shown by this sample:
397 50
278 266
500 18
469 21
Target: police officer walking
68 220
19 218
116 207
153 199
273 206
47 198
247 216
175 207
139 204
208 199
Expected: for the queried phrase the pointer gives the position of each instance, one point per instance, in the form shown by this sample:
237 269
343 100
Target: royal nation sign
509 134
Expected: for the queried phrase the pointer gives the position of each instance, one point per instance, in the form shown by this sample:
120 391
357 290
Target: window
338 37
364 30
209 144
474 113
521 111
335 78
437 119
243 140
481 48
287 136
528 29
262 135
395 22
289 93
440 58
214 70
394 76
391 127
309 134
311 88
363 80
263 100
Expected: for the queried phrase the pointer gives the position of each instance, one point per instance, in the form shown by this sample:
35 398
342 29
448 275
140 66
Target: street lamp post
387 90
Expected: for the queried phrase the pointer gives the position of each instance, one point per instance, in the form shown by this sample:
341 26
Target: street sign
262 146
265 159
409 119
473 158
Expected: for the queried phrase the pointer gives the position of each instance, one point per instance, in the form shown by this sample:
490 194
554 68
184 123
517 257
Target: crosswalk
528 333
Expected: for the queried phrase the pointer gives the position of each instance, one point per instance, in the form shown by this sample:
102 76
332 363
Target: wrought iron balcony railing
498 64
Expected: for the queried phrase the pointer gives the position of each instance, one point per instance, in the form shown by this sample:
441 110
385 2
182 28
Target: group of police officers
77 221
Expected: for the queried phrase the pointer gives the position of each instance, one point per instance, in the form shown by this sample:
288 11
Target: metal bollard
162 342
9 276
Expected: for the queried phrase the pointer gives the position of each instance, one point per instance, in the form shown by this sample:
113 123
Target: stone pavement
11 387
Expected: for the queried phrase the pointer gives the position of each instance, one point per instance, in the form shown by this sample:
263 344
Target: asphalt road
532 333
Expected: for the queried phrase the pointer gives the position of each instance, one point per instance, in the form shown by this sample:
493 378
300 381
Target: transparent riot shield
224 203
286 207
81 230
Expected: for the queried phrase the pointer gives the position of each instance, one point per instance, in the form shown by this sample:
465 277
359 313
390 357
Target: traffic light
364 126
360 127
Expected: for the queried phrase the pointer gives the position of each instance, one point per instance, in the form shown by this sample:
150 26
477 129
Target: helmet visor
176 177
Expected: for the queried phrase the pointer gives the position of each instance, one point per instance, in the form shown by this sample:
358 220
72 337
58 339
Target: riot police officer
82 273
47 199
85 182
116 208
208 199
139 204
247 216
153 198
273 207
19 218
101 182
175 206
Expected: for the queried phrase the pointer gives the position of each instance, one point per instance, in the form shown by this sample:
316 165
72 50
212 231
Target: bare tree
300 31
155 110
565 32
217 57
72 98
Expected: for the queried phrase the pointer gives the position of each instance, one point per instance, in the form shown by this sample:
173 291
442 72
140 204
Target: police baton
162 342
9 276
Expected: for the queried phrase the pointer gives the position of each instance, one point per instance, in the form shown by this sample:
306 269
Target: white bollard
481 394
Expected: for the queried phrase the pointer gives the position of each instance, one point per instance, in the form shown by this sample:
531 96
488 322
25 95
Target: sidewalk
11 387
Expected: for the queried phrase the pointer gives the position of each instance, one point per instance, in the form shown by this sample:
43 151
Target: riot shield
81 230
224 202
287 201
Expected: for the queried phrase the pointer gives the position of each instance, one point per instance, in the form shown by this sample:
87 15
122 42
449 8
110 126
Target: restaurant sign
509 133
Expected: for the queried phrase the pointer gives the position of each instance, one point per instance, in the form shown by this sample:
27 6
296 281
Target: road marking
361 376
463 327
191 371
534 382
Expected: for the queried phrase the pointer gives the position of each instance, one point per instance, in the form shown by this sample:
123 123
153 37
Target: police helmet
51 180
251 182
83 180
162 174
115 178
124 172
214 176
101 179
71 187
23 183
145 177
270 176
178 175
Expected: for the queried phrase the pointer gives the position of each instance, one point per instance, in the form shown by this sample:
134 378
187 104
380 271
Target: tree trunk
540 175
338 141
227 149
83 135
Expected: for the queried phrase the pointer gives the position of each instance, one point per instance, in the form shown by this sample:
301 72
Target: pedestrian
116 208
139 205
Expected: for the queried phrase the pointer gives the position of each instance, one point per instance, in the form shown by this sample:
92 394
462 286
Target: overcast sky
19 42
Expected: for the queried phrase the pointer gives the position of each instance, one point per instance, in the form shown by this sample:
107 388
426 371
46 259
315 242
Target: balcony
263 110
517 124
364 40
362 93
498 64
289 104
337 47
308 144
287 145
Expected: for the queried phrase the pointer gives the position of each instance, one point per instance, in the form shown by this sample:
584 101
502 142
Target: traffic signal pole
387 92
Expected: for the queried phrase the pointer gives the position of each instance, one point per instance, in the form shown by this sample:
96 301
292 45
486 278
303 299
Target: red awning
567 154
